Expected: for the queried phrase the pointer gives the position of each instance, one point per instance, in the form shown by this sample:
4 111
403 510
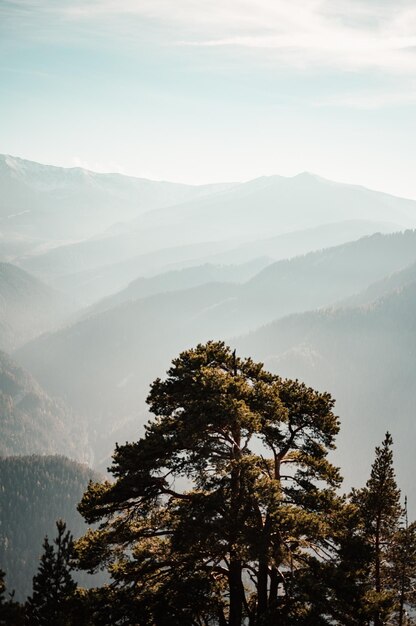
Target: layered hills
28 307
113 355
305 265
125 219
93 284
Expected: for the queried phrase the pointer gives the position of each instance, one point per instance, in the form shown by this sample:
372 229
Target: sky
202 91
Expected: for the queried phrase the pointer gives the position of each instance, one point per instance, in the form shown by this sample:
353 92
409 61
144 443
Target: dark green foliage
34 492
53 585
391 567
229 488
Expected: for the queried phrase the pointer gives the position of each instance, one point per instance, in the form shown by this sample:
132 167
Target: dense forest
228 511
35 491
32 422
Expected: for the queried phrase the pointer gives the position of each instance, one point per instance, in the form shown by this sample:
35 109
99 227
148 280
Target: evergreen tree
381 511
220 511
53 586
403 561
11 612
2 587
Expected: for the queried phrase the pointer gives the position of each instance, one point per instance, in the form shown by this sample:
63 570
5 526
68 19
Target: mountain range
105 278
62 204
80 225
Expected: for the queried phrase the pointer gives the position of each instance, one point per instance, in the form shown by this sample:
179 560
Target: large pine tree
226 503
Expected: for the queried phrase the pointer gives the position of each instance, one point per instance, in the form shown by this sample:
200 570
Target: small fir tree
53 586
381 511
11 612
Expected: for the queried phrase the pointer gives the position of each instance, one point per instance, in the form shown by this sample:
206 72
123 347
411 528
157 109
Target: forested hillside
178 280
35 492
34 423
392 282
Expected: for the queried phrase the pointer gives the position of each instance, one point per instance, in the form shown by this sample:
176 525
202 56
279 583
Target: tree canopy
216 513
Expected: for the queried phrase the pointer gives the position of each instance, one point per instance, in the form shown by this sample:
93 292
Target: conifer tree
11 612
403 561
381 511
53 585
221 509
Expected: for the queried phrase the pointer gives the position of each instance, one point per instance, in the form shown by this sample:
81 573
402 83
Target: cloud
369 100
348 35
311 33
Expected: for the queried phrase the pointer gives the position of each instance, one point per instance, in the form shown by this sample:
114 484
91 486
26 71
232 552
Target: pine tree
381 511
53 585
219 512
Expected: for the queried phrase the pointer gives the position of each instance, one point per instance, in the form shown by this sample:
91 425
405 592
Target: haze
178 92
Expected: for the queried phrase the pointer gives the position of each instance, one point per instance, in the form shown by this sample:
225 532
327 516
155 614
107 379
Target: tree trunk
377 618
274 587
263 571
235 586
235 568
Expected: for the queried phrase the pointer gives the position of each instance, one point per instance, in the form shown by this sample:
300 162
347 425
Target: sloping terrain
393 282
366 358
93 284
31 422
36 491
176 280
28 307
104 364
59 203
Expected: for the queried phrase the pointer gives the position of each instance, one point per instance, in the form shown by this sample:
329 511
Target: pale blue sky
213 90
